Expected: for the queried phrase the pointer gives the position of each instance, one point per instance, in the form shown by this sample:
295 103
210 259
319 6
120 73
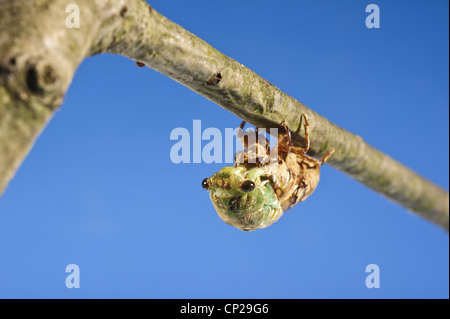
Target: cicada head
241 196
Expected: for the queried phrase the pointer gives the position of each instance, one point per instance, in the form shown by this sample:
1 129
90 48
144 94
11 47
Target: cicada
255 192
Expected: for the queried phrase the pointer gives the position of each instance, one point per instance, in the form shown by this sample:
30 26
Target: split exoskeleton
262 184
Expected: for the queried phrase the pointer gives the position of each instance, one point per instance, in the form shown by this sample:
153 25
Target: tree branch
39 55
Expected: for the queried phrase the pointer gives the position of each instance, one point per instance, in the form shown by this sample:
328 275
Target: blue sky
99 189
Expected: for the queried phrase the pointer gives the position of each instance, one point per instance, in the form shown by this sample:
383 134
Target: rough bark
39 55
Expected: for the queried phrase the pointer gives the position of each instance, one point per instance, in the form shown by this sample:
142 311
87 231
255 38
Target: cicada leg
303 151
257 152
286 136
263 147
306 125
326 157
262 137
285 143
240 157
241 136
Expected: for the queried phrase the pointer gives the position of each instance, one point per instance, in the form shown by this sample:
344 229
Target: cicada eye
205 184
248 186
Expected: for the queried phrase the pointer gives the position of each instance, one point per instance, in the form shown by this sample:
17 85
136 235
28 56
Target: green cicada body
243 197
254 194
